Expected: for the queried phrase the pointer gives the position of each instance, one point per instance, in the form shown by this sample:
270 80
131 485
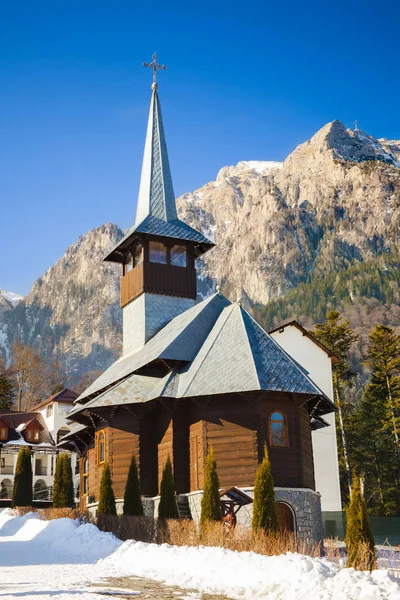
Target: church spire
156 213
156 192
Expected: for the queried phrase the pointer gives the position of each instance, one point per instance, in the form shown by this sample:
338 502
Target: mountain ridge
333 204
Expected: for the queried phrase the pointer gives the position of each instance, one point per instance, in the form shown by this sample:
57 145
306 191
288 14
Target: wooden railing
131 285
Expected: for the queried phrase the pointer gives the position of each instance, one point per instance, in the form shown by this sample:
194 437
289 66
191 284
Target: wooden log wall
122 441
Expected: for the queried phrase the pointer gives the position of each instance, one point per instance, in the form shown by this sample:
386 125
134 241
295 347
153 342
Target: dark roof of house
15 420
215 347
66 396
309 335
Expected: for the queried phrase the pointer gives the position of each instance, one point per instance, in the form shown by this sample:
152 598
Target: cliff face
73 310
325 222
335 199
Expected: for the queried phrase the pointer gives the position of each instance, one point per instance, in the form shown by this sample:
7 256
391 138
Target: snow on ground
61 559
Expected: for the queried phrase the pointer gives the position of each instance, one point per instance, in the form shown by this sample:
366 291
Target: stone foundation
305 504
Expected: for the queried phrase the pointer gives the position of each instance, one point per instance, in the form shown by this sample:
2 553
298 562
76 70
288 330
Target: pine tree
338 336
132 499
107 498
167 508
375 424
210 502
7 393
264 505
68 484
358 531
22 491
58 492
384 361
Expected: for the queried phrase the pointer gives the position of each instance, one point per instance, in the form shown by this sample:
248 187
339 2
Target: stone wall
305 504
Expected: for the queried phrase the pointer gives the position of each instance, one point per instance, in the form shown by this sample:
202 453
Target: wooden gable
32 431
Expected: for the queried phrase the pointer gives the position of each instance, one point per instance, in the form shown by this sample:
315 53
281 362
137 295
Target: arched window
101 447
61 433
158 253
40 490
278 435
178 256
6 489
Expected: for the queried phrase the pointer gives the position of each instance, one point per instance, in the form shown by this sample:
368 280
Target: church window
101 447
277 429
49 410
178 256
138 255
158 253
85 469
3 433
128 263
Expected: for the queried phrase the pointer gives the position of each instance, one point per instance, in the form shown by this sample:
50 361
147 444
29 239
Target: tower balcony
156 278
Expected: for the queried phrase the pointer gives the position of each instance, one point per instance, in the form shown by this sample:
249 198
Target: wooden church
192 373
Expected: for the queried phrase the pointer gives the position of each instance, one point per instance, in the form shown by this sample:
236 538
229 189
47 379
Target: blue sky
244 81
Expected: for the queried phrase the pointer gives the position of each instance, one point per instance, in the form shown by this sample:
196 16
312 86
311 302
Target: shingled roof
216 347
156 209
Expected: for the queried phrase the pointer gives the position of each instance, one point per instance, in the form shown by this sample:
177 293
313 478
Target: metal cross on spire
156 67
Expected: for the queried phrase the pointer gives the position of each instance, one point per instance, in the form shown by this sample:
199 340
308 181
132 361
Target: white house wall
318 364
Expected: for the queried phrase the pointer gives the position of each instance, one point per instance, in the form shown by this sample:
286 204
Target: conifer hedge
167 508
264 505
358 531
22 491
107 498
63 489
210 502
132 498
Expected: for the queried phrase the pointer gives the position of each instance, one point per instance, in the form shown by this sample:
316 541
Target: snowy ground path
62 560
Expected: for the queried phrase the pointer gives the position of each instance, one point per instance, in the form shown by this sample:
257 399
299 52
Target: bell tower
158 254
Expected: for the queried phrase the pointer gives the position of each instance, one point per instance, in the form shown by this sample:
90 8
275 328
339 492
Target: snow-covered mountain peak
10 297
259 166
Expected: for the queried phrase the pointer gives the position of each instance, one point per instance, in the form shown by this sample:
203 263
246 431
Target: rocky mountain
320 230
334 200
73 310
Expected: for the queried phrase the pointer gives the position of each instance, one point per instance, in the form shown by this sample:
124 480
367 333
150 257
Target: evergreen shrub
210 502
107 498
264 505
167 508
359 539
132 498
22 491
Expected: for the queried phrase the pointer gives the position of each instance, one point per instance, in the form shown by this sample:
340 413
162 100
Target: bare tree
30 375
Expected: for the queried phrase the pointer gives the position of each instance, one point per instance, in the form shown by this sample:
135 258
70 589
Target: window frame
184 253
158 262
3 433
99 434
49 410
285 429
138 255
84 475
33 435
